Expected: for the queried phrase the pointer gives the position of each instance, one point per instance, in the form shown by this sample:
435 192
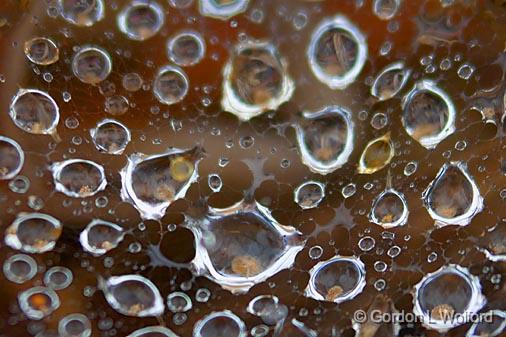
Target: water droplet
78 178
110 136
223 10
386 9
309 194
84 13
390 81
101 236
179 302
389 209
75 325
19 268
215 183
366 243
58 278
12 158
223 323
171 85
34 111
187 48
38 302
42 51
91 64
33 233
377 154
141 19
153 331
349 190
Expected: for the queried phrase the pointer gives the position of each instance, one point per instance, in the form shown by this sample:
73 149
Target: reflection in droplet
187 48
377 154
78 178
133 295
309 194
74 325
83 13
451 289
171 85
91 64
110 136
153 331
19 268
34 111
325 139
429 114
223 323
141 19
101 236
12 158
222 9
492 325
257 246
336 280
453 198
38 302
58 278
152 183
389 209
337 52
42 51
33 233
255 80
386 9
390 81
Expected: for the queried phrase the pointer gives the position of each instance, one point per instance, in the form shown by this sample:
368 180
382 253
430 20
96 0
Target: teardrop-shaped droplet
101 236
110 136
240 246
390 81
34 111
325 139
222 9
133 295
255 80
429 114
337 52
336 280
12 158
152 183
389 209
377 154
448 291
33 233
453 198
223 323
78 178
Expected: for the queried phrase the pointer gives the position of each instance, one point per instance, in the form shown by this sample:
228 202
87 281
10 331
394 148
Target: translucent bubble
116 105
377 154
222 9
110 136
141 19
42 51
366 243
349 190
223 323
132 82
91 64
257 246
58 278
78 178
255 80
337 52
410 168
83 13
19 268
171 85
74 325
386 9
187 48
390 80
309 194
33 233
449 290
389 209
215 183
34 111
38 302
12 158
453 198
429 114
133 295
336 280
179 302
325 139
101 236
153 331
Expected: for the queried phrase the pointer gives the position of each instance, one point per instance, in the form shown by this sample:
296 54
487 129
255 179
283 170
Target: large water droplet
141 19
91 64
110 136
390 81
171 85
377 154
34 111
42 51
101 236
223 323
83 13
38 302
12 158
309 194
222 9
186 48
389 209
78 178
33 233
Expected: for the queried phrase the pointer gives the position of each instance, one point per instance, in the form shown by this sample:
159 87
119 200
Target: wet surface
367 130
